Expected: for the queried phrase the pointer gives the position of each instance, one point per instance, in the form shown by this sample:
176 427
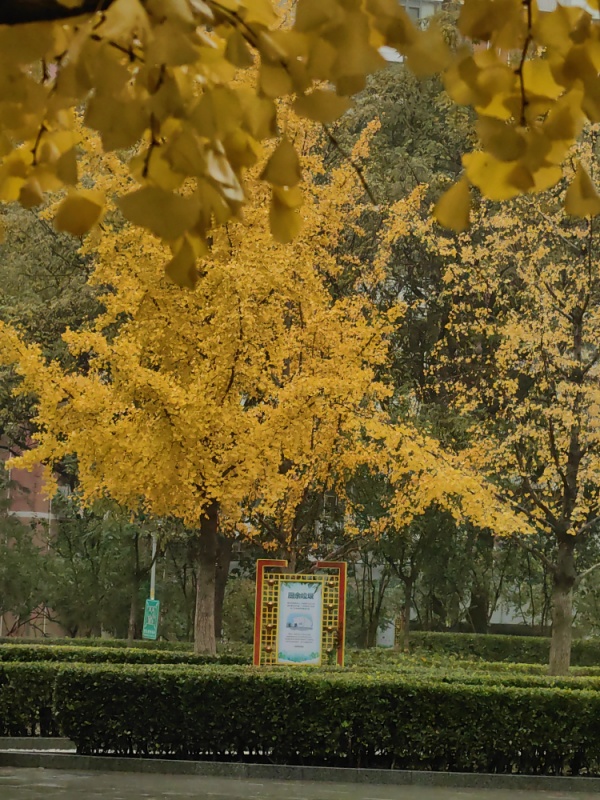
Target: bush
333 717
26 699
330 718
491 647
100 642
114 655
238 610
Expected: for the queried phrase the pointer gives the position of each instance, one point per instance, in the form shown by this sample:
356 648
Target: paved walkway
41 784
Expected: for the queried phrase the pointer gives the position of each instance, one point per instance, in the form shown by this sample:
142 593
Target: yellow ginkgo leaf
237 50
31 194
181 269
503 141
498 180
166 214
66 167
582 198
79 211
274 81
430 53
539 80
123 18
284 220
321 106
453 208
292 197
283 167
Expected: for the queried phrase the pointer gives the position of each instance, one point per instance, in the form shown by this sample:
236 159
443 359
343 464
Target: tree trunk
405 639
372 629
131 626
562 608
478 608
135 589
224 546
204 623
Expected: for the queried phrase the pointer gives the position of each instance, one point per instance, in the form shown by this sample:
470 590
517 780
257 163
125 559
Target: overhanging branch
344 550
585 573
17 12
550 566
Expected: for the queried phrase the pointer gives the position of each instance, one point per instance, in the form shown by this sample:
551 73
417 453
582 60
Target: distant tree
517 357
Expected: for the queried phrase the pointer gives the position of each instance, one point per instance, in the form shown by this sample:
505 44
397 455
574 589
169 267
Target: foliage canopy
158 78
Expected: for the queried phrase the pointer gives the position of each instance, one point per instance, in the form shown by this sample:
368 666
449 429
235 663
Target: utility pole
152 610
153 568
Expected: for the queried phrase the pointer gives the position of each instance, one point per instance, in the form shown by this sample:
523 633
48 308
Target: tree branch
531 490
587 525
585 573
343 550
536 554
17 12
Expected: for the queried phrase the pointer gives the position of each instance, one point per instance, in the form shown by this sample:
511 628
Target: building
25 499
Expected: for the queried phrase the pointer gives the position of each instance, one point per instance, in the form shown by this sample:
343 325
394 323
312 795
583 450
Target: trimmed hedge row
26 699
142 644
343 719
387 661
476 673
112 655
300 716
489 647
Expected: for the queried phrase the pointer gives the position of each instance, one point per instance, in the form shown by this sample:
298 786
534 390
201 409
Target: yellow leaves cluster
533 83
422 474
265 388
194 85
162 78
519 358
172 415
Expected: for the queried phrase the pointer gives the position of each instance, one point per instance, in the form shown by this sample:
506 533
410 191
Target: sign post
152 610
151 614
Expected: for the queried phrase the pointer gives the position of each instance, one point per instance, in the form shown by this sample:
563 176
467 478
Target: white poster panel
299 622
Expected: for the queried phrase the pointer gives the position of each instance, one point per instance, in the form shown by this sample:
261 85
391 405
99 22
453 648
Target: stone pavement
43 784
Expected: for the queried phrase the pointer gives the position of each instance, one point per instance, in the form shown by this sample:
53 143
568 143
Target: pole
153 568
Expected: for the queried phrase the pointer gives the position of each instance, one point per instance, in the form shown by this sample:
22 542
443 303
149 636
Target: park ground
41 784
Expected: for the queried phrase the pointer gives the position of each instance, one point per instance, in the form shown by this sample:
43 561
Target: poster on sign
300 622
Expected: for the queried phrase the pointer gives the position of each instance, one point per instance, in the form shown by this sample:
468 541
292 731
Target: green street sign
150 629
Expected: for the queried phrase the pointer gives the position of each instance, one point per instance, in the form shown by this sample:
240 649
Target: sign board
300 622
299 618
151 614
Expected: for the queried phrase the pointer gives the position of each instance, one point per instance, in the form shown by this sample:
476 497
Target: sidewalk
42 784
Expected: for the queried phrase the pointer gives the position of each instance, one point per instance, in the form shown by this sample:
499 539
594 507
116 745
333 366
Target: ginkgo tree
518 357
155 78
195 419
240 393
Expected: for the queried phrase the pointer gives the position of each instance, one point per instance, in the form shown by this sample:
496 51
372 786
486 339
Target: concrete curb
275 772
35 744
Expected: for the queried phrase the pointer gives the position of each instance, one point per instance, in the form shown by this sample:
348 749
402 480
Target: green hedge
99 642
230 648
112 655
343 719
491 647
336 718
455 671
26 699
